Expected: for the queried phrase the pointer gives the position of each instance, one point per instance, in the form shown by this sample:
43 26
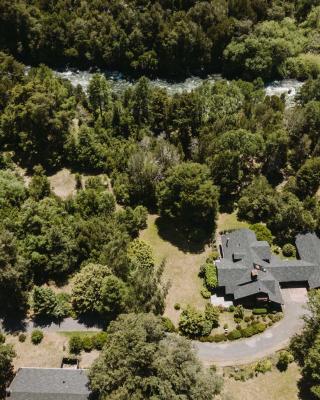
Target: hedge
259 311
210 276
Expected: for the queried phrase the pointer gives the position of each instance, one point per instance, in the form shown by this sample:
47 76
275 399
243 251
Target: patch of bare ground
63 183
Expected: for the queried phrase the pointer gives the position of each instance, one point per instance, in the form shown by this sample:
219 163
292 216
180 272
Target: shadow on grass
187 239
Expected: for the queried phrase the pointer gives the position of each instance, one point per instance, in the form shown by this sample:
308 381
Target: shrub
75 344
168 325
2 338
212 314
259 327
247 332
234 335
289 250
22 337
87 344
210 276
277 317
239 312
231 308
259 311
99 340
36 336
214 255
205 293
208 339
246 318
177 306
262 233
270 323
194 324
225 326
285 358
218 337
263 366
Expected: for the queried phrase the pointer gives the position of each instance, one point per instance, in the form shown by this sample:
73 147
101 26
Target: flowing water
289 87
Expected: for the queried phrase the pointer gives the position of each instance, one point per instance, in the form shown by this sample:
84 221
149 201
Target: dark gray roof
242 253
49 384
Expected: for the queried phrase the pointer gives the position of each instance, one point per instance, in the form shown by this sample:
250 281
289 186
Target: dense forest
170 38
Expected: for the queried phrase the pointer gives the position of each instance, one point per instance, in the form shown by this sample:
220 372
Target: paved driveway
273 339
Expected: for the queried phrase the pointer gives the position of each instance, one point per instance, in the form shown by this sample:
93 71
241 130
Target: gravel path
275 338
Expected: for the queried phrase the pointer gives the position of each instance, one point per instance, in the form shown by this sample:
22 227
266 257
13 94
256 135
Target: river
289 87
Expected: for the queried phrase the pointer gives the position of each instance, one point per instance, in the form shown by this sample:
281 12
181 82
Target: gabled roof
49 384
242 253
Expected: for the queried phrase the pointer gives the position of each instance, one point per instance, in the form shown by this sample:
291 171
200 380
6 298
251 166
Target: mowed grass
273 385
229 222
181 270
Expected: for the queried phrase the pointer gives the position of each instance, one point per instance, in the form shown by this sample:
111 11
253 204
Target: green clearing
229 222
78 333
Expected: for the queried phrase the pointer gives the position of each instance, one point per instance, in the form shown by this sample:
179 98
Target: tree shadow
304 390
186 238
14 324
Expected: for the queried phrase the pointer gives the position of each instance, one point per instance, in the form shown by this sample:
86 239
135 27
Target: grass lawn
49 353
273 385
230 221
181 269
78 333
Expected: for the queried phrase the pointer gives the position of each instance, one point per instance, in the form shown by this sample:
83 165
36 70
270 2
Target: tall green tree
138 361
188 195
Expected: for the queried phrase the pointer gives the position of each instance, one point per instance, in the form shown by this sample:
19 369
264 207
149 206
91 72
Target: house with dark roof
49 384
249 271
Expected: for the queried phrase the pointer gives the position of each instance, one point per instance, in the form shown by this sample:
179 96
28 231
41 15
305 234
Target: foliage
194 324
99 340
22 337
75 344
259 311
234 335
210 276
36 336
263 366
137 347
6 367
289 250
285 358
168 325
262 233
47 304
86 291
188 195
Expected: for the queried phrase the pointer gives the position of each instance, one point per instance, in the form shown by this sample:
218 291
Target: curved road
273 339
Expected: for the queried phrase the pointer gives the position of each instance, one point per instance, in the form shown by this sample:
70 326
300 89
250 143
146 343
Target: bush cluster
87 343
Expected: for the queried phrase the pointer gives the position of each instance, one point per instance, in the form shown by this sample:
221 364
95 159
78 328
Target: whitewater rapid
288 87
